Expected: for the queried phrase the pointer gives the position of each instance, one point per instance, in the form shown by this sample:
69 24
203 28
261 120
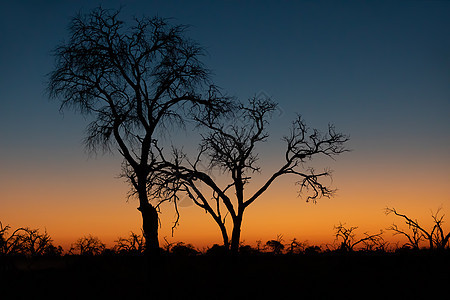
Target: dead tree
9 243
132 81
88 246
231 148
436 238
134 244
26 241
36 243
296 247
348 240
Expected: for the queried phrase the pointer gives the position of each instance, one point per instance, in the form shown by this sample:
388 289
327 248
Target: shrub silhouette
217 250
276 246
312 250
248 250
183 249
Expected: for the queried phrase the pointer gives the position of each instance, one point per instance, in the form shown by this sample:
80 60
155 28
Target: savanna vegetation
357 262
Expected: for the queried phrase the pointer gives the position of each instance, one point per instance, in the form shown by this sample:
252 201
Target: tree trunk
236 234
223 230
150 228
149 217
430 239
153 263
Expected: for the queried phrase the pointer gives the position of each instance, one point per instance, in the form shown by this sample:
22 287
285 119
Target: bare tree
435 237
35 243
230 147
26 241
134 81
349 241
134 244
88 245
9 243
296 247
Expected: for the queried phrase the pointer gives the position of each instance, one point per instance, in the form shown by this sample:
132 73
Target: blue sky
379 70
331 61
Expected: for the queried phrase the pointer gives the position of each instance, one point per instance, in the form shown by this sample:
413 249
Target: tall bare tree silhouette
134 81
230 147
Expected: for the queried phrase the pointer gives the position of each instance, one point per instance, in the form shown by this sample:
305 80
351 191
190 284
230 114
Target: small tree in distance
348 241
26 241
88 245
134 244
295 247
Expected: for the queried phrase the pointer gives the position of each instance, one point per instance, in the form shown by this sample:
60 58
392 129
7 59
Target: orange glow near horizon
97 205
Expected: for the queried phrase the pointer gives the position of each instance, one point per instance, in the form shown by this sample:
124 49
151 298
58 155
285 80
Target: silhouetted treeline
25 241
297 270
355 263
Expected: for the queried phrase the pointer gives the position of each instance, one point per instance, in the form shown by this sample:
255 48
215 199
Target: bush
183 249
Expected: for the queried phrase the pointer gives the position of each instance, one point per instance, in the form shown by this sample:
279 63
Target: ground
257 276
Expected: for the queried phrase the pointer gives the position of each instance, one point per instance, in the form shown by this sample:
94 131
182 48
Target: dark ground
415 275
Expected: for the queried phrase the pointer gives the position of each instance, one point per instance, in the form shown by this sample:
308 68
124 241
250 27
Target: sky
378 70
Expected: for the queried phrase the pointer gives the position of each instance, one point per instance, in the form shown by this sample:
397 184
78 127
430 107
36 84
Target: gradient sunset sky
378 70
